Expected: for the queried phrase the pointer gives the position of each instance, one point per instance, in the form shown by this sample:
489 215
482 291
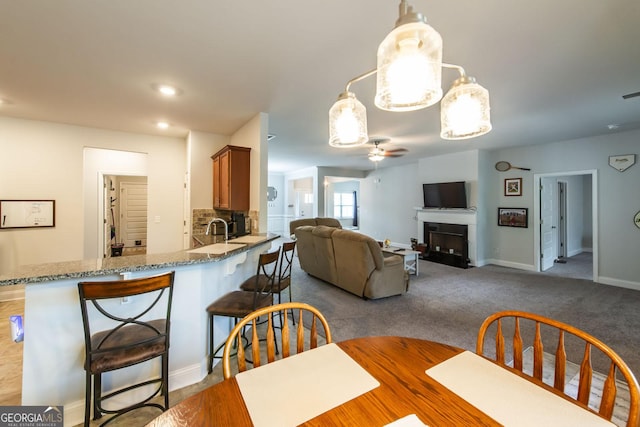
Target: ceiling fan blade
394 155
397 150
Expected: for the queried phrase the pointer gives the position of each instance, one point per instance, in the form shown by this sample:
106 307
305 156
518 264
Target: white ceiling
555 70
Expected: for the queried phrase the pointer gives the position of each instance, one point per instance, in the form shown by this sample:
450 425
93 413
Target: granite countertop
41 273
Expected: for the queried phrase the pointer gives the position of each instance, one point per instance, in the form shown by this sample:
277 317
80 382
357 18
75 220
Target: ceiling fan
377 154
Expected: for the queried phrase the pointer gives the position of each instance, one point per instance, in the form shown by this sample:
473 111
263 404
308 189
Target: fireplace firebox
447 244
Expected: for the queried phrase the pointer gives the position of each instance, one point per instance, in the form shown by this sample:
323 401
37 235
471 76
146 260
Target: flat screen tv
448 195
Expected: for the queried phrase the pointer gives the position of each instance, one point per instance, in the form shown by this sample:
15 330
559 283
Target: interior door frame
102 206
562 219
594 215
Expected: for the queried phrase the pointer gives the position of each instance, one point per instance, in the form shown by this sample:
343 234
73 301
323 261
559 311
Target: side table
410 258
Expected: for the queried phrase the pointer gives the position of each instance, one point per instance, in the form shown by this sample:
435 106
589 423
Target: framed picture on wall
513 187
513 217
27 213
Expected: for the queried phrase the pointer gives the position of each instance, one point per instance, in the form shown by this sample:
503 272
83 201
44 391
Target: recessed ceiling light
613 126
166 90
270 137
162 125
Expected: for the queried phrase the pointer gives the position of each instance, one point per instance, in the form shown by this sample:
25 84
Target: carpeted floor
448 304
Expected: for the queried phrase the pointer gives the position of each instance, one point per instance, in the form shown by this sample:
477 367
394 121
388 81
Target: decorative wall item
272 194
513 217
505 166
622 162
27 213
513 187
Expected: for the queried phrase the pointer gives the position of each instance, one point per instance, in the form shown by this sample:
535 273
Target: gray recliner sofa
351 261
329 222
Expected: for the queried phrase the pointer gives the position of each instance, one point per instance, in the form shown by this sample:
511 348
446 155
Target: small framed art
513 187
513 217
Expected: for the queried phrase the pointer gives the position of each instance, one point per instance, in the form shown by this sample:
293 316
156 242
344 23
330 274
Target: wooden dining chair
528 325
135 334
237 304
297 339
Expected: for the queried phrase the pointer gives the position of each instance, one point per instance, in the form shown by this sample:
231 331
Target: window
343 205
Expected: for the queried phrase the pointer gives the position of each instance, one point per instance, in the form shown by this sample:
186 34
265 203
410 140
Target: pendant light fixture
409 77
347 121
409 64
465 111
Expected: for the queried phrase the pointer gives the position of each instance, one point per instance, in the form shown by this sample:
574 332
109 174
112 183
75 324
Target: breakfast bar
53 357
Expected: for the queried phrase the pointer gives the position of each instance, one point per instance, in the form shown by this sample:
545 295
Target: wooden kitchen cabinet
231 177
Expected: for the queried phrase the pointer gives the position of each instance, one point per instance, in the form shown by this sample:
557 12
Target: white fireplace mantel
451 216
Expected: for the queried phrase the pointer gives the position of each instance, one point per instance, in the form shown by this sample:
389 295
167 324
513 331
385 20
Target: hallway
576 267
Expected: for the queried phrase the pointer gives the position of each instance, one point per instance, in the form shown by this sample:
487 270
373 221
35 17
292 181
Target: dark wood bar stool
133 338
287 251
237 304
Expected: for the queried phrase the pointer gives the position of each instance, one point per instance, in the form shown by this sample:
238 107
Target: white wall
43 160
388 197
201 147
618 200
254 134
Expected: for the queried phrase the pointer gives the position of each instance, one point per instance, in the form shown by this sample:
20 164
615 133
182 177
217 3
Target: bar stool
237 304
133 338
284 275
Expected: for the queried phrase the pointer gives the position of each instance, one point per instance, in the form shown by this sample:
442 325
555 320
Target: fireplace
447 243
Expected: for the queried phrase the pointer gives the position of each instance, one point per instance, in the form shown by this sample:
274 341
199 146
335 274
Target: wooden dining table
397 363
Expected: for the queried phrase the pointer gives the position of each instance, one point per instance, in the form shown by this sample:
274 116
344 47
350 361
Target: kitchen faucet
213 221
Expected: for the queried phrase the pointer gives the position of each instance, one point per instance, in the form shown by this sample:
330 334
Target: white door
548 235
133 213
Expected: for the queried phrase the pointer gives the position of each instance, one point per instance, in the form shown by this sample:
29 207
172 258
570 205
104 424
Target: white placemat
506 397
291 391
408 421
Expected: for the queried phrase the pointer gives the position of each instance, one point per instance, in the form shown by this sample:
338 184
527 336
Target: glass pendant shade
465 111
409 68
347 122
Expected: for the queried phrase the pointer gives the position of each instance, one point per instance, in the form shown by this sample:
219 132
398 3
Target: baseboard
187 376
516 265
619 283
574 252
10 293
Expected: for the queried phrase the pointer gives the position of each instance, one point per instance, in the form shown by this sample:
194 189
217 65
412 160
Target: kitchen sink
216 248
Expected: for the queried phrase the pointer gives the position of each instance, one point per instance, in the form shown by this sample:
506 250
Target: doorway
565 223
125 215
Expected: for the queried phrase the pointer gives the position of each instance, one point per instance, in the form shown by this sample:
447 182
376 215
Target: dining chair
284 274
136 333
237 304
530 325
297 339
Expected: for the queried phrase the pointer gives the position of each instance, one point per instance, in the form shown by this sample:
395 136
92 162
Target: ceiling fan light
409 67
376 157
465 111
347 122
